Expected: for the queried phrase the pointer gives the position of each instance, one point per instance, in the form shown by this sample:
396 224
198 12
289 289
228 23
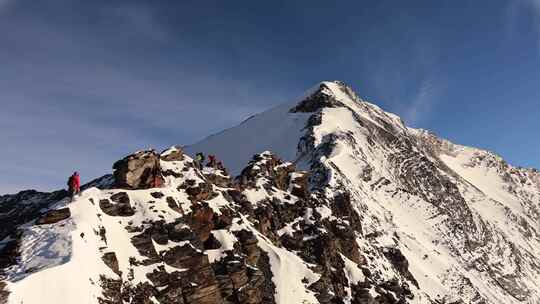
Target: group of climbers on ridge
212 162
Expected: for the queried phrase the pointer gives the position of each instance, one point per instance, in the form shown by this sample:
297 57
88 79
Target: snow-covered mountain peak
337 94
326 94
327 200
463 203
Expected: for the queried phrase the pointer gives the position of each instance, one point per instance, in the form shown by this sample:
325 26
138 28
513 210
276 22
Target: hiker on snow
74 184
212 161
199 160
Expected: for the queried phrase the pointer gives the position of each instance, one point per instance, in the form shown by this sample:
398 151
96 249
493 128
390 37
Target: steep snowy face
464 219
275 130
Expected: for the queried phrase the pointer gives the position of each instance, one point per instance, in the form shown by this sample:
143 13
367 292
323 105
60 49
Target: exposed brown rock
4 293
171 202
157 194
249 246
138 171
319 99
112 290
220 180
400 262
172 154
198 191
201 220
120 205
54 216
111 261
299 184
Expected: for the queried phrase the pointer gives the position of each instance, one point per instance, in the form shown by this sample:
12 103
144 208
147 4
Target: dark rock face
198 191
318 100
16 210
54 216
400 262
220 180
238 282
110 260
299 185
325 251
24 207
241 275
266 165
138 171
120 205
157 194
201 220
3 293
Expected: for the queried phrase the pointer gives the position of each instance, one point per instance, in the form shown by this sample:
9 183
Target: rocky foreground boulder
140 170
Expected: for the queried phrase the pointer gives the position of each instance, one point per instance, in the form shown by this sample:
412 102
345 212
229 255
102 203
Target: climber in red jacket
74 184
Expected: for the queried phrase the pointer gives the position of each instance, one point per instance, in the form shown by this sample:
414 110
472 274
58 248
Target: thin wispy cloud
430 83
522 17
410 88
423 103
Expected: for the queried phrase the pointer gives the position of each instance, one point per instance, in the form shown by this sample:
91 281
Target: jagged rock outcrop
172 154
23 207
140 170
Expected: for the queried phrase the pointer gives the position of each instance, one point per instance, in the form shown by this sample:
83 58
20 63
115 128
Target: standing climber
212 161
199 160
74 184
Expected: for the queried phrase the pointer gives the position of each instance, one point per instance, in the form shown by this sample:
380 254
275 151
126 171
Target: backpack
70 182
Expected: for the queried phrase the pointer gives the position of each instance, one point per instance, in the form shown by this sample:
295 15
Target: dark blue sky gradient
82 83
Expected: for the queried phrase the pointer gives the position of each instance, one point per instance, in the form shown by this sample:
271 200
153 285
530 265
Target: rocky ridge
367 211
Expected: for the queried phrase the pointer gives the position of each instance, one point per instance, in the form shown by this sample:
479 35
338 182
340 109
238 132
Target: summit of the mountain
324 96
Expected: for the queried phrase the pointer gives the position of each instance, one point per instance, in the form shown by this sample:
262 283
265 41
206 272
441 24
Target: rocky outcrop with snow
331 200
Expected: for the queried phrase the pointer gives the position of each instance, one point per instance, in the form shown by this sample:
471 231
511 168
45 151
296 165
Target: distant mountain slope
350 206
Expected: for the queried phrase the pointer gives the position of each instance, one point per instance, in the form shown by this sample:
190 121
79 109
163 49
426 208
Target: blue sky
83 83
